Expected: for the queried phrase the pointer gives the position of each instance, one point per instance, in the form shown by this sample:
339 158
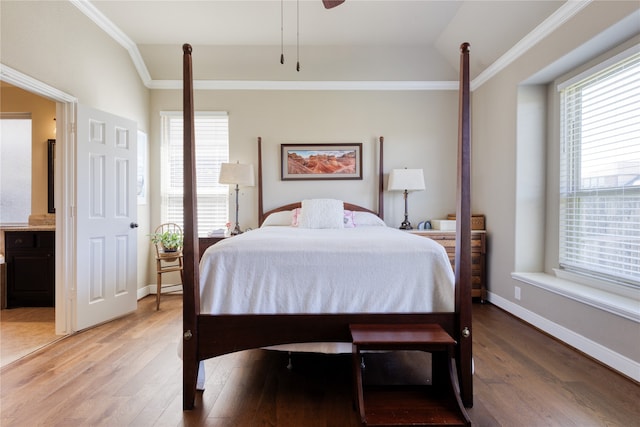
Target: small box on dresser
478 256
477 221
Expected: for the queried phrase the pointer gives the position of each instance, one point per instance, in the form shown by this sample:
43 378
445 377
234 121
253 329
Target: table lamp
236 174
406 180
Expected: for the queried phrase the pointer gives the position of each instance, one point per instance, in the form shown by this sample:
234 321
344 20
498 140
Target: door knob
133 225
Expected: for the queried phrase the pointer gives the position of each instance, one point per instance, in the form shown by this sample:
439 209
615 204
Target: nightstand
205 242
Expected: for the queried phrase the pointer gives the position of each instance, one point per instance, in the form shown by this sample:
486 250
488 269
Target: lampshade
236 174
406 179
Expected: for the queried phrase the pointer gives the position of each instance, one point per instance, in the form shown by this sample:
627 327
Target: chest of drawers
478 256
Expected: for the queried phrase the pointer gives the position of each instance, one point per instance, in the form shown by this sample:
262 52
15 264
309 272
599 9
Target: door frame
64 187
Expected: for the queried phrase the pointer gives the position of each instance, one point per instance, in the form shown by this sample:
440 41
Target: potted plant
171 242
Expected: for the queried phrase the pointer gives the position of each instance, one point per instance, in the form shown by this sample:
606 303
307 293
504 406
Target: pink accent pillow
349 219
295 216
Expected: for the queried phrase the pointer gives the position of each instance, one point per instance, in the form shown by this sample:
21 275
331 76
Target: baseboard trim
143 292
151 290
602 354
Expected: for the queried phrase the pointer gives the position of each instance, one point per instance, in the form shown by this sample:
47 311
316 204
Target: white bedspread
353 270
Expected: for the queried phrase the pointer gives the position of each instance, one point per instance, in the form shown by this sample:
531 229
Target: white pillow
365 219
321 213
278 218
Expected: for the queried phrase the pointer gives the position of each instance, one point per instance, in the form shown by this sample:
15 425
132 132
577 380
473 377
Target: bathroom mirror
51 160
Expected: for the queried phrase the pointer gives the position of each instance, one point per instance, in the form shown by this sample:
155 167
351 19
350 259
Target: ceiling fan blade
328 4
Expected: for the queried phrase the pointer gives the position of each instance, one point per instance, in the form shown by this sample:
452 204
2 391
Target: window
600 172
15 168
212 149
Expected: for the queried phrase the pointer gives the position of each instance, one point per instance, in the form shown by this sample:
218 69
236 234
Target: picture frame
321 161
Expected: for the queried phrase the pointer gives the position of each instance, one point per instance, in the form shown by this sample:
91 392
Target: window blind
600 174
212 149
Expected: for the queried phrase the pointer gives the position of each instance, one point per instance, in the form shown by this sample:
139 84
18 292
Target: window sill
620 305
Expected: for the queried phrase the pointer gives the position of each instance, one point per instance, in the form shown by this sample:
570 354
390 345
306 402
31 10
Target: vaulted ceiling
359 40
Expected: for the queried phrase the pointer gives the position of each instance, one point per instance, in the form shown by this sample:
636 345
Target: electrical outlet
517 292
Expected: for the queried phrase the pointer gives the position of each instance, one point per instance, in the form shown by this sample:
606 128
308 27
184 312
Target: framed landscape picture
321 161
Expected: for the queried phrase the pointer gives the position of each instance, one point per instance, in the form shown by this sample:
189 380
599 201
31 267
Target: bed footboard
223 334
230 333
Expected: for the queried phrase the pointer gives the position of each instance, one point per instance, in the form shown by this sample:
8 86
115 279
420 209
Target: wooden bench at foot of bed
389 405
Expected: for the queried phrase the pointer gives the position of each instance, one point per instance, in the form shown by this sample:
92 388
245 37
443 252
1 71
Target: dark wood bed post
191 276
463 236
381 180
260 205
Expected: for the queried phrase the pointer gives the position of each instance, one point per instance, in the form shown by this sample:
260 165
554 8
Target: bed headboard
262 215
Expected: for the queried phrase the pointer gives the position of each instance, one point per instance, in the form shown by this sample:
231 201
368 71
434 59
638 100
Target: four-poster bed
209 335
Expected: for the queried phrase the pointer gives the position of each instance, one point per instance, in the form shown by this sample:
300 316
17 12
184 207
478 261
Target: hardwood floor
25 330
127 373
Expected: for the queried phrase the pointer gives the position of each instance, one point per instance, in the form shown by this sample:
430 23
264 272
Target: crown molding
117 34
559 17
307 85
18 79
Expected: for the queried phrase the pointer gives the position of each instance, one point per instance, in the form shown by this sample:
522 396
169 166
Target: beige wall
497 147
54 43
43 127
420 131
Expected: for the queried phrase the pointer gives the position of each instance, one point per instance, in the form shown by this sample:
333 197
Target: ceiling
358 40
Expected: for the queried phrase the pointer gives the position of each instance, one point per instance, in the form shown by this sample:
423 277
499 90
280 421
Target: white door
106 233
